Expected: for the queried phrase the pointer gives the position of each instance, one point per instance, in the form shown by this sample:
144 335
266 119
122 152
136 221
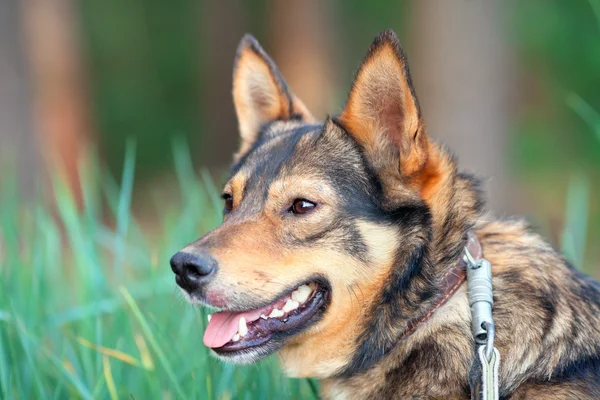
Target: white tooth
263 316
209 316
242 327
276 313
290 305
301 294
296 295
235 338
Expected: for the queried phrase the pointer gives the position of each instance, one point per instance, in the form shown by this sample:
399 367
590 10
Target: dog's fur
392 216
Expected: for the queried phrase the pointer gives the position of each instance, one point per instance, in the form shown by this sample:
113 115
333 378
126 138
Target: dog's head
322 221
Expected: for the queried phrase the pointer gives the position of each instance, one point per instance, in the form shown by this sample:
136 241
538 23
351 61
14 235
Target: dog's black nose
192 270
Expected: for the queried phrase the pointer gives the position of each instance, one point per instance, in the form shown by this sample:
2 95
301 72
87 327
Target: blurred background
512 87
117 128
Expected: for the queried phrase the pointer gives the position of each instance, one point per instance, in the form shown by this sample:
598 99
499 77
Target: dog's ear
382 112
260 94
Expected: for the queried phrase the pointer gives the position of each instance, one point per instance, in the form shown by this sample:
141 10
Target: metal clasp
481 300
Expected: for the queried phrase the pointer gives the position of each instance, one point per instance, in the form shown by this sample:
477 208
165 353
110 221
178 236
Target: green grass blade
75 381
153 342
29 341
586 112
184 168
123 214
574 235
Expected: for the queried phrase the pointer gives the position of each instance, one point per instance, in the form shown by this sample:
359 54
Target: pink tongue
221 328
223 325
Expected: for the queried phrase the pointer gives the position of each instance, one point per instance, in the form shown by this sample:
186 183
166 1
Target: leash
484 381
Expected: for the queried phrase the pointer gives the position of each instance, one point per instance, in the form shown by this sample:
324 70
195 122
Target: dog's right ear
260 94
382 109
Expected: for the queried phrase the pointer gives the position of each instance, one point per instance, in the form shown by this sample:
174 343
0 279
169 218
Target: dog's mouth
230 333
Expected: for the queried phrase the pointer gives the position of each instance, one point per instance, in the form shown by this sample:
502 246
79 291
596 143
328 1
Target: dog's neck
449 283
417 281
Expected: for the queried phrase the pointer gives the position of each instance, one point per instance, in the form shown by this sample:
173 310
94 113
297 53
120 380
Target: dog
341 248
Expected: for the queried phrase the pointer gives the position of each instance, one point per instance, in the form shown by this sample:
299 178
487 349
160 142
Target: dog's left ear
382 112
260 93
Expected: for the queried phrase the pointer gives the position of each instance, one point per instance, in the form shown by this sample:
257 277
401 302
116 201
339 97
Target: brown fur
392 217
532 342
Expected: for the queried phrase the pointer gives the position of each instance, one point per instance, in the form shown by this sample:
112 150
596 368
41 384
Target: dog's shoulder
584 388
546 312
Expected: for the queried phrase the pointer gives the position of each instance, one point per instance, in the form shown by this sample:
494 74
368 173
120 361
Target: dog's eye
228 202
302 206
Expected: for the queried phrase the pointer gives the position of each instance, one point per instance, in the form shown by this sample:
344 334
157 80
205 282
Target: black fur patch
375 342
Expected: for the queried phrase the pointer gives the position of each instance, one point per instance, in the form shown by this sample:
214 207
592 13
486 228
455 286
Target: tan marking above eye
286 190
235 187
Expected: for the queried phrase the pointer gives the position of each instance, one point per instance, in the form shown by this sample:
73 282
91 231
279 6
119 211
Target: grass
90 310
574 234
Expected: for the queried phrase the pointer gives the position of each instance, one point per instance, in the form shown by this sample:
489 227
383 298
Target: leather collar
449 283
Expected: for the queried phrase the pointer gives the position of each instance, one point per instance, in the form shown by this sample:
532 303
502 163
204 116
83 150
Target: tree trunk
220 131
17 143
60 102
300 39
462 72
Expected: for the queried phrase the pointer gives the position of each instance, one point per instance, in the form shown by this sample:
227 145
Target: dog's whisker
354 292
